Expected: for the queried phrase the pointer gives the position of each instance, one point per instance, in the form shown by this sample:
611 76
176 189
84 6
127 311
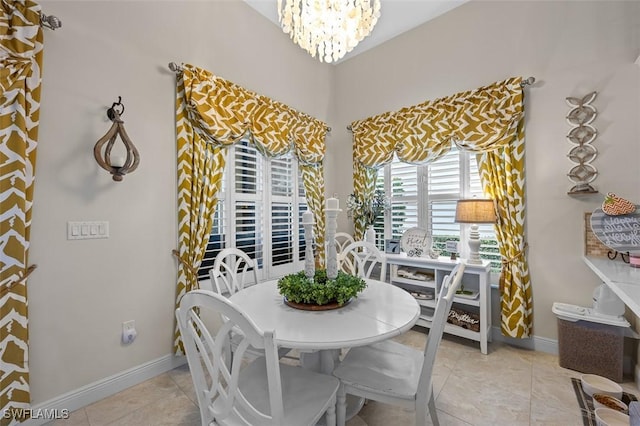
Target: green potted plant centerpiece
320 292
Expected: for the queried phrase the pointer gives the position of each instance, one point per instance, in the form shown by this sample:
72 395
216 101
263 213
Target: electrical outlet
129 332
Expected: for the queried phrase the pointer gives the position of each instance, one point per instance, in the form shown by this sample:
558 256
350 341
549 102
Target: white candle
307 217
333 204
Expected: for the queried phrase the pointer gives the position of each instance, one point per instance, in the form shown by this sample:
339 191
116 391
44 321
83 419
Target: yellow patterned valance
222 113
476 120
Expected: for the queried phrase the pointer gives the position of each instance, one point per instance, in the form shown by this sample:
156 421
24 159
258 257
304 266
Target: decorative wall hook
118 166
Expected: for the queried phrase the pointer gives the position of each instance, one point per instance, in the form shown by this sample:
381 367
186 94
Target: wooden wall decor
582 134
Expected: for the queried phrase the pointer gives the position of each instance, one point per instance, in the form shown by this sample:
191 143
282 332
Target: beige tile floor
509 386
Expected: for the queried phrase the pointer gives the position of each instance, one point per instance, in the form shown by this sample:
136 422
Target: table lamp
475 211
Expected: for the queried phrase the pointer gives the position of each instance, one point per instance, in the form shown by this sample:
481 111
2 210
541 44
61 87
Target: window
259 209
426 196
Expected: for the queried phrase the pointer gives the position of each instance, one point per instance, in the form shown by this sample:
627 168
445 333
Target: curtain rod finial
50 21
175 67
528 81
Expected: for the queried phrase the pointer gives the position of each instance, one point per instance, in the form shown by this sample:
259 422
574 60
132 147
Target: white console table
428 275
623 279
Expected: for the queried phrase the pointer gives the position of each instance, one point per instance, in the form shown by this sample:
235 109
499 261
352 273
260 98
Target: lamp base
474 246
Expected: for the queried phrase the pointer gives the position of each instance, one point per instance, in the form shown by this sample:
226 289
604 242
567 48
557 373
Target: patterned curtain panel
21 57
200 167
502 176
489 121
364 184
211 114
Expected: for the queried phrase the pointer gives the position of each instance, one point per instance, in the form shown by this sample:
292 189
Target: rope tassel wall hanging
117 165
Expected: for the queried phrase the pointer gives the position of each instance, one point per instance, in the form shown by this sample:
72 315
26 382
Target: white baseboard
106 387
541 344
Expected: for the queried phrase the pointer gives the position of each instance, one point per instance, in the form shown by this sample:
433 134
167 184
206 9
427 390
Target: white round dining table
380 311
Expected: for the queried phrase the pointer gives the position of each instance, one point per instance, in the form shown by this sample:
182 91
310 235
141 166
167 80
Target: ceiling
396 17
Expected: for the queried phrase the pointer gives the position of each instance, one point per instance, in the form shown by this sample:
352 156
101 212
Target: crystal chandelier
328 28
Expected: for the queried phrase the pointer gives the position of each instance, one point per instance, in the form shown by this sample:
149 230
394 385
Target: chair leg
330 416
432 410
341 406
421 416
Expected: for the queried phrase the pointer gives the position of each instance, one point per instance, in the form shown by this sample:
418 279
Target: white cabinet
423 278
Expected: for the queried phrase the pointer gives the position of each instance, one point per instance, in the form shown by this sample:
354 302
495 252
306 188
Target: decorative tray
314 307
468 294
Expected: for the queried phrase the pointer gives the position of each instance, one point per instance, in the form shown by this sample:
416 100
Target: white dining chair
342 240
361 258
393 373
261 392
232 270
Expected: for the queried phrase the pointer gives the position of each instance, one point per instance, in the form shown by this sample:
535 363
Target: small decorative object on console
464 319
416 242
392 246
452 247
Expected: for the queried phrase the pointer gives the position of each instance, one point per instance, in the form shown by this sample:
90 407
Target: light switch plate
87 230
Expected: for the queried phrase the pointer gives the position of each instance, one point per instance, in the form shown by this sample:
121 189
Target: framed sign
392 246
451 246
416 242
620 233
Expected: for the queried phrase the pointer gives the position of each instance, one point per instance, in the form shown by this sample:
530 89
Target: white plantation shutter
282 233
217 239
400 184
444 188
302 207
248 228
426 196
259 212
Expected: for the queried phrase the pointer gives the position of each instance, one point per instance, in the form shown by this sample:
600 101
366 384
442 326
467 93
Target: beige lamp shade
475 211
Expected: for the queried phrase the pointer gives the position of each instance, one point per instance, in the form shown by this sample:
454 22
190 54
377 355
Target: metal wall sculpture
582 134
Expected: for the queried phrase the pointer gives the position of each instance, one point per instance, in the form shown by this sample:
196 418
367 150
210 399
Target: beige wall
82 291
572 48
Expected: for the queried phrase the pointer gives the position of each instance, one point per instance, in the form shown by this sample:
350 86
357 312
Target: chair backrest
231 270
342 241
215 370
450 285
360 258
